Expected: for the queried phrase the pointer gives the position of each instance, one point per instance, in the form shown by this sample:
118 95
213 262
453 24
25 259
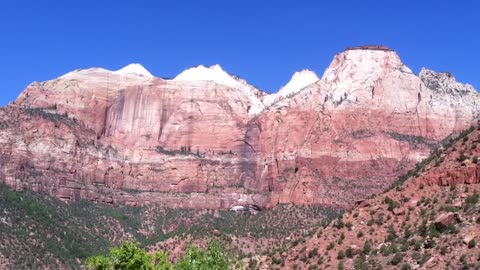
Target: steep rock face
182 142
84 94
206 140
52 153
367 121
436 209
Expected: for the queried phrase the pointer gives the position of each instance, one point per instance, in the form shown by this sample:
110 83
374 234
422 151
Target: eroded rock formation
207 139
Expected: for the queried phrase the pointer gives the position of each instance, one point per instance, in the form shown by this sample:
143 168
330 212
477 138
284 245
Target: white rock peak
357 64
299 80
216 74
213 73
136 69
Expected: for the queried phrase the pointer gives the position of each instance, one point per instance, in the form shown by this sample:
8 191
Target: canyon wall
130 138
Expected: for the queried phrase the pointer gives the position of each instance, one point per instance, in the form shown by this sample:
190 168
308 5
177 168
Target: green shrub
370 222
472 200
349 225
391 234
391 203
472 243
397 258
341 238
340 254
349 252
367 247
130 257
313 253
360 263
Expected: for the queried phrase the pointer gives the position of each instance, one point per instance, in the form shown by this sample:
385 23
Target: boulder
445 220
399 211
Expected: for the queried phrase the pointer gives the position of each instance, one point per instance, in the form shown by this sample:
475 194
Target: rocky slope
207 139
38 231
428 220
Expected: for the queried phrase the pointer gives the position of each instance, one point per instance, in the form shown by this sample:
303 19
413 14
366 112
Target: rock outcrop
421 214
207 139
368 120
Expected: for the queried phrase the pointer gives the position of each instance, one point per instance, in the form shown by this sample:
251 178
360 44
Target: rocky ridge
207 139
427 220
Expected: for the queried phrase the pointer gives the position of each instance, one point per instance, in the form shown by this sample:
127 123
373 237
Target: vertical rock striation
207 139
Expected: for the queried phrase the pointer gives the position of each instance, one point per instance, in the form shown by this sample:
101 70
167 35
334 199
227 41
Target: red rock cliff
206 140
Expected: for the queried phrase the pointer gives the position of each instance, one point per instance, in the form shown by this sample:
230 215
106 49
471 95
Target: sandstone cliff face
128 137
434 212
368 120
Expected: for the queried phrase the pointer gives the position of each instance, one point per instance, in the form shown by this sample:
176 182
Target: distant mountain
208 139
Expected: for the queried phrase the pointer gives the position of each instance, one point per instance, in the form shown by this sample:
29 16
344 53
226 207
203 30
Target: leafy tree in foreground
214 258
130 257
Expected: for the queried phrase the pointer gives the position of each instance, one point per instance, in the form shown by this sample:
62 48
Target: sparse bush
370 222
391 203
397 258
391 234
472 243
349 225
349 252
340 255
367 247
360 263
471 200
313 253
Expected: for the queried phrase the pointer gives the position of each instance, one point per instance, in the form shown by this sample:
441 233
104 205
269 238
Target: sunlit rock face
352 133
207 139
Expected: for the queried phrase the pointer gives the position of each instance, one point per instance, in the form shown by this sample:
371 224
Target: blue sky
263 42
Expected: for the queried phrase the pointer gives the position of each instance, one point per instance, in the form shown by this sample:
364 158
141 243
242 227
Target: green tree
214 258
130 257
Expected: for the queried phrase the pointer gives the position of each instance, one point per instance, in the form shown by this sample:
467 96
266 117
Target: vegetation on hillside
418 223
41 232
129 256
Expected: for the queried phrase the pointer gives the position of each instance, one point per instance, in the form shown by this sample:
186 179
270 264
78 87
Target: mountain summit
299 80
135 69
213 73
206 139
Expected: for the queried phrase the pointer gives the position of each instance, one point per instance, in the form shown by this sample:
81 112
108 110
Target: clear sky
263 42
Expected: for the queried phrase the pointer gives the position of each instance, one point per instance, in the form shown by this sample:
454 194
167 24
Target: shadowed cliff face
133 139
